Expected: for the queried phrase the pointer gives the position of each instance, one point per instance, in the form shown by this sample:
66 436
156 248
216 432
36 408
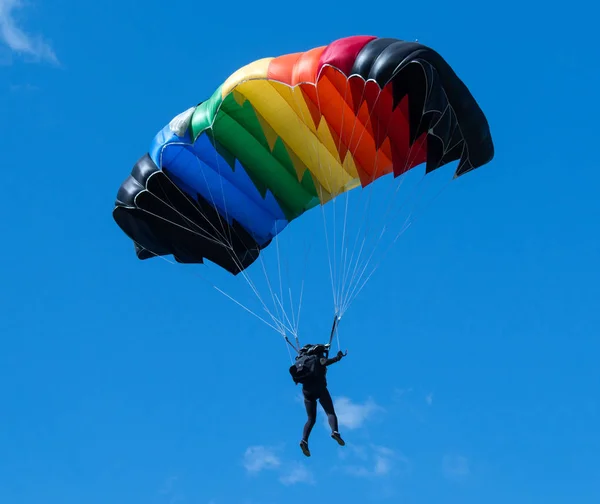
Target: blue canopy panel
198 169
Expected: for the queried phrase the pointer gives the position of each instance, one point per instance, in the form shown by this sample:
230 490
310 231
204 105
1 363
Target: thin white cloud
23 88
171 492
354 451
168 485
15 38
353 415
384 458
455 467
429 399
399 392
258 458
377 462
297 473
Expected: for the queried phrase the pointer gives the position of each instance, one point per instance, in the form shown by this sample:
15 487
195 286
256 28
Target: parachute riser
336 320
297 349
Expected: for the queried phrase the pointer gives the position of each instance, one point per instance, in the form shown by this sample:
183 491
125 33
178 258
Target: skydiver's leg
327 404
311 412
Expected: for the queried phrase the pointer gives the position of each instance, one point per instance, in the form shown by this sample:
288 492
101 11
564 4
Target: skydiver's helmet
319 349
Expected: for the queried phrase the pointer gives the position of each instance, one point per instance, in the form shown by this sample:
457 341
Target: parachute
283 135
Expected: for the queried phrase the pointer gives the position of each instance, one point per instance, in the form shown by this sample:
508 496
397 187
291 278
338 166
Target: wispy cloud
23 88
353 415
297 473
376 461
17 40
170 490
401 392
455 467
258 458
415 401
168 485
384 458
429 399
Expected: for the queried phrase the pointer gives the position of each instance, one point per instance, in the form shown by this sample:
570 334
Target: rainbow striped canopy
283 135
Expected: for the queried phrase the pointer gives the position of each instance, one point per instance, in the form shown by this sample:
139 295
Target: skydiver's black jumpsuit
317 389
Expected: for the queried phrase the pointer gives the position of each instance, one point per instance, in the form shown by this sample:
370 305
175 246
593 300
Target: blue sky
472 374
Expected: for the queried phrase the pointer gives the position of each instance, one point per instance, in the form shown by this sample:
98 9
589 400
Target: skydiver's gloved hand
341 354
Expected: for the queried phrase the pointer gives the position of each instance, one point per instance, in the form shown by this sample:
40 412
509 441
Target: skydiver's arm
335 359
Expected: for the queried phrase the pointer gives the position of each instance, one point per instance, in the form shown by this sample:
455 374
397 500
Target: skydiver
315 388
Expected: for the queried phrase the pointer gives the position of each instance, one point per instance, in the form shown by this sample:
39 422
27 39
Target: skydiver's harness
305 368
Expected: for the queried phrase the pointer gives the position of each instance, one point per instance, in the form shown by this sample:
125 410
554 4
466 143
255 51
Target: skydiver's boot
304 447
336 435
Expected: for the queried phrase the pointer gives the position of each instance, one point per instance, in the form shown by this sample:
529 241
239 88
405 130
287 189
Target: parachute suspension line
271 291
302 292
347 266
295 323
280 299
343 252
311 145
365 213
339 275
247 309
221 239
289 326
291 298
328 250
368 225
301 119
216 288
213 199
335 261
335 277
206 237
280 318
294 316
276 319
374 269
358 272
228 246
219 242
359 269
218 239
331 257
359 286
352 294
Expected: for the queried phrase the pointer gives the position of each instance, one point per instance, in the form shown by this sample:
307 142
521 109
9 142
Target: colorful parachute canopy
283 135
